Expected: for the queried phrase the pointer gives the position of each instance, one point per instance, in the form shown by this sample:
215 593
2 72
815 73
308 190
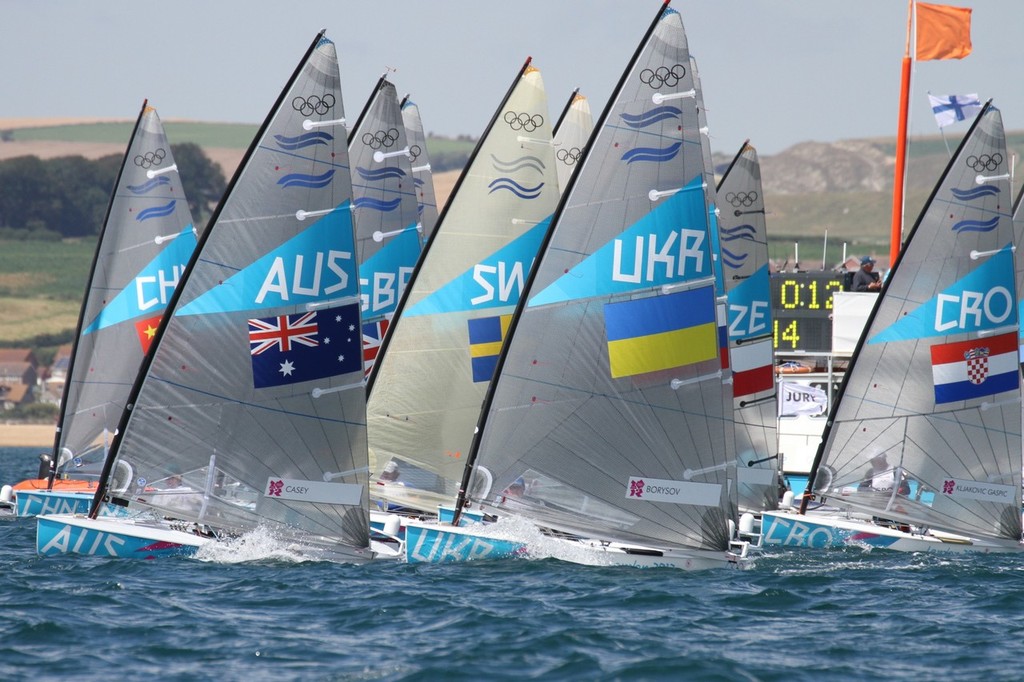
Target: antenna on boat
824 250
796 256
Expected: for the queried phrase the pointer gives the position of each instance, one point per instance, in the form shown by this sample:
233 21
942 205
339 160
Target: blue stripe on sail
514 187
517 164
304 140
647 118
377 204
733 260
659 314
974 192
739 232
976 225
965 390
652 153
157 211
305 180
149 185
419 183
380 174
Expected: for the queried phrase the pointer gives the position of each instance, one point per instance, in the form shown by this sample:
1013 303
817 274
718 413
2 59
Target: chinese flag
146 329
943 32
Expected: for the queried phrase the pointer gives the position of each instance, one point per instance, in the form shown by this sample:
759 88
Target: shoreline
26 435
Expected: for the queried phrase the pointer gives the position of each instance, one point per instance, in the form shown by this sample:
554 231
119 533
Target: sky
778 72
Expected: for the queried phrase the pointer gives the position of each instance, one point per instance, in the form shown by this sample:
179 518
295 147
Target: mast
565 110
900 174
440 220
474 447
366 107
101 490
81 312
833 408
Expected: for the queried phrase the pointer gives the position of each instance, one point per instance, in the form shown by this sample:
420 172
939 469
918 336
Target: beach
26 435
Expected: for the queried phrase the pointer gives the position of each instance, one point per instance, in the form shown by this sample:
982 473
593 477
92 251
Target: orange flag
943 32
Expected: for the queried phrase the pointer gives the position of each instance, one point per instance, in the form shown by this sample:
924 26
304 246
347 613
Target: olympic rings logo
381 138
988 162
307 106
523 121
662 76
569 156
150 159
414 152
737 199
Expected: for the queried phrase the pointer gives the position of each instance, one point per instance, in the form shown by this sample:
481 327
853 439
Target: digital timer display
802 310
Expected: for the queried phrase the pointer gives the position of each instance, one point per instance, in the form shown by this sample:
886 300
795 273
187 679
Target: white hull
824 531
433 542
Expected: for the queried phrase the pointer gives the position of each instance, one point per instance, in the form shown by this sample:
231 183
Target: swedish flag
486 335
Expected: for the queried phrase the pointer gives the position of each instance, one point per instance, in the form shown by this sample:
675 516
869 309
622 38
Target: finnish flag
949 109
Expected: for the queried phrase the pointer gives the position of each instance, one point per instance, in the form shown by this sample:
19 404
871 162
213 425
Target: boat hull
434 543
811 531
439 543
37 502
76 534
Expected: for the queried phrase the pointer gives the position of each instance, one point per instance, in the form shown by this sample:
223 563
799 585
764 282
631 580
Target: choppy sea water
808 615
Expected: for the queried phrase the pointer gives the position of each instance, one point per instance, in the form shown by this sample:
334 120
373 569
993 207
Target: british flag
373 336
281 332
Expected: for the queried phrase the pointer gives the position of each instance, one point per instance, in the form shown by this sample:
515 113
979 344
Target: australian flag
291 349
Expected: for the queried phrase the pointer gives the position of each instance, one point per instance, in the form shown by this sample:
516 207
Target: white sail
571 133
425 398
744 256
422 174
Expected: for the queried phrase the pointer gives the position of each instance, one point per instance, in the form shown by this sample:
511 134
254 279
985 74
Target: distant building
18 375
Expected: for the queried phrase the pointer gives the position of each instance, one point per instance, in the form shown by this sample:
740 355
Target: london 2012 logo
636 488
275 488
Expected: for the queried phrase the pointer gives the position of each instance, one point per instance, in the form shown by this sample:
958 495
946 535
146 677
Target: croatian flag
975 369
952 108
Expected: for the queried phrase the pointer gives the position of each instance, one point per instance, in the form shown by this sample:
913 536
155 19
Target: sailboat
922 448
744 256
610 417
146 239
249 411
438 358
422 174
388 240
570 135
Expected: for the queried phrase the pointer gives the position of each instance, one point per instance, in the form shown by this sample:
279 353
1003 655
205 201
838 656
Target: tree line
68 196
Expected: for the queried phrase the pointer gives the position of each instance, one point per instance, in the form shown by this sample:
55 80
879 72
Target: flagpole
896 234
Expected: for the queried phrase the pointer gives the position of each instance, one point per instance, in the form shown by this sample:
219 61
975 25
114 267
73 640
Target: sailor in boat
866 279
174 495
882 477
390 477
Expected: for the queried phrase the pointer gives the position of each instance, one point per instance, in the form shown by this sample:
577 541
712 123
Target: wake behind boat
922 449
249 412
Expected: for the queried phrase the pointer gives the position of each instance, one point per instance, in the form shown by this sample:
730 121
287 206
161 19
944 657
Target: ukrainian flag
661 332
486 335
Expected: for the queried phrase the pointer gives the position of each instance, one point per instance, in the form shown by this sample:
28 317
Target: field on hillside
41 287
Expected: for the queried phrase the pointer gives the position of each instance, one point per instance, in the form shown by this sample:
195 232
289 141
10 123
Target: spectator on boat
866 279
